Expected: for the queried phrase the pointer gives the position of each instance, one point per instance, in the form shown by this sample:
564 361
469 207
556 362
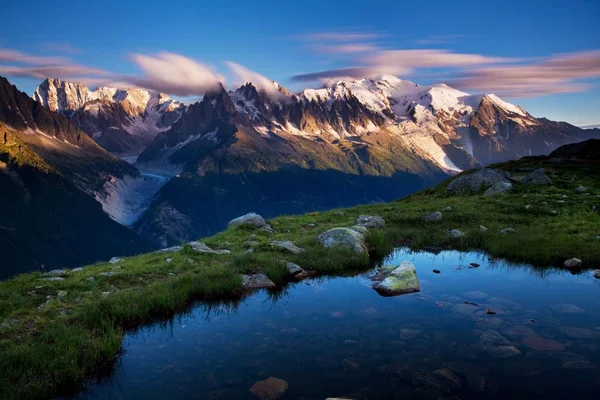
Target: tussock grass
51 349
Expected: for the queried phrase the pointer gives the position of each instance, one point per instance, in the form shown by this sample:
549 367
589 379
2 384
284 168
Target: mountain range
256 148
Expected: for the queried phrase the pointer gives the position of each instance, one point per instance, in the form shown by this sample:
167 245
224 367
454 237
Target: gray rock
61 293
447 209
507 231
572 263
57 272
201 247
344 237
105 294
168 260
293 269
497 345
456 233
433 217
597 273
400 280
174 249
481 179
537 177
115 260
286 245
482 229
580 189
77 269
250 220
108 273
117 268
257 281
54 278
498 189
90 279
370 221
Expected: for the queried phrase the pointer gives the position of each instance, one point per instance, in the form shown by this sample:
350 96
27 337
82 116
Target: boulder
115 260
250 220
293 269
537 177
400 280
482 229
286 245
359 229
77 269
433 217
597 273
507 231
580 189
481 179
269 389
344 237
370 221
572 263
257 281
456 233
498 189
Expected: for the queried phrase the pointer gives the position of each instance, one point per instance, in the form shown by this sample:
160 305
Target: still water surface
336 337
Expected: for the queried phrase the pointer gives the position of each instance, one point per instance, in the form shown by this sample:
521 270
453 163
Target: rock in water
572 263
498 188
537 177
597 273
401 280
286 245
250 220
370 221
433 217
257 281
482 179
269 389
293 269
344 237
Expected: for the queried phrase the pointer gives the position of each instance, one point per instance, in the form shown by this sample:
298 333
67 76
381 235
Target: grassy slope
49 349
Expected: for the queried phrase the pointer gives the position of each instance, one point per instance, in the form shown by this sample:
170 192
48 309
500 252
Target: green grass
53 349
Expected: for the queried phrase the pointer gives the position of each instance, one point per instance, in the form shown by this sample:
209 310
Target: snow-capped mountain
123 121
272 151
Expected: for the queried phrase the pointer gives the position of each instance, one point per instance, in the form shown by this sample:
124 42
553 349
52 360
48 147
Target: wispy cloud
18 63
174 74
338 36
561 73
346 48
438 39
401 62
61 47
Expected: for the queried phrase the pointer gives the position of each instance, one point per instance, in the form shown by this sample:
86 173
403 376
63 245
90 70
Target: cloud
20 64
174 74
402 62
346 48
244 75
438 39
561 73
338 36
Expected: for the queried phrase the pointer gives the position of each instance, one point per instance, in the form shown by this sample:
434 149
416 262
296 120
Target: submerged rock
572 263
497 345
370 221
269 389
433 217
250 220
566 309
286 245
257 281
540 344
537 177
401 280
481 179
344 237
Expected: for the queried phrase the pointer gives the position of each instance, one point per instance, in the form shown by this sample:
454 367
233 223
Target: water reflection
335 336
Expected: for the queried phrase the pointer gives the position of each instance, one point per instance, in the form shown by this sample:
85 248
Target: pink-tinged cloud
19 57
174 74
401 62
338 36
60 47
561 73
244 75
345 48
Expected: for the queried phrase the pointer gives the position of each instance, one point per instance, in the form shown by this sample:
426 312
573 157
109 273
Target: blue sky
479 46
